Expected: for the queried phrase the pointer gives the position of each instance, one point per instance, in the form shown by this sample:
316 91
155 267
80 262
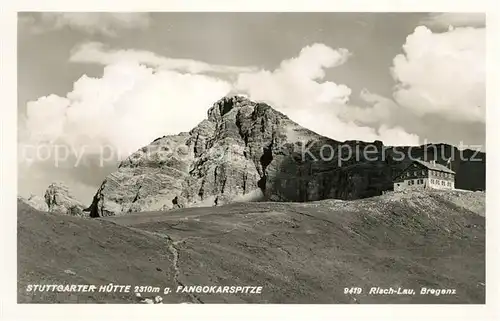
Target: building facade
421 174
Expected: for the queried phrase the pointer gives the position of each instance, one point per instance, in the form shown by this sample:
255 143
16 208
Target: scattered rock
156 300
69 272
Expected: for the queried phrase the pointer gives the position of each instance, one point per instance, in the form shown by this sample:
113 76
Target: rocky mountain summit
57 199
247 151
298 252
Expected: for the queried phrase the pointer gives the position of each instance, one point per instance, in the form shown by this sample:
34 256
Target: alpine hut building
421 174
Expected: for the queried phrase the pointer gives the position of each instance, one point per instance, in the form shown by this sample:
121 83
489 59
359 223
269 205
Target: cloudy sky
91 79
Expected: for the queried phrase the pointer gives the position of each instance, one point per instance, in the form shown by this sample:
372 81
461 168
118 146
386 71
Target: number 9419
353 290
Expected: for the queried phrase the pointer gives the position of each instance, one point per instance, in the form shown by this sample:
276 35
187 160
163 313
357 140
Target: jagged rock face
244 150
36 202
59 200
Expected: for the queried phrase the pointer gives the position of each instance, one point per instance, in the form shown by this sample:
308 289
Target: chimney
433 162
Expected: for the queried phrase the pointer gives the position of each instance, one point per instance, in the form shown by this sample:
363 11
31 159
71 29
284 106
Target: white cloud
379 110
295 83
326 121
132 104
104 23
95 52
44 117
128 107
455 19
296 89
397 136
443 73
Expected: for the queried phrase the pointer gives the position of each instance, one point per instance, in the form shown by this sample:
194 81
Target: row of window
434 173
418 181
441 174
438 182
433 181
415 173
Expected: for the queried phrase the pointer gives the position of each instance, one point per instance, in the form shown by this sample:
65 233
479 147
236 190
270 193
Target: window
442 183
423 172
432 181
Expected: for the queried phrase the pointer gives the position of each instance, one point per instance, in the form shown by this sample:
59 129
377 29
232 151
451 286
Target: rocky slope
298 252
246 150
62 249
35 201
57 199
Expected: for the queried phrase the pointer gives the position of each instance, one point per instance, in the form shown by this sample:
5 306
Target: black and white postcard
250 157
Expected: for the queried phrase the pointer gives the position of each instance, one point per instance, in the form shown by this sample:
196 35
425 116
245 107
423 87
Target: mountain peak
227 104
245 150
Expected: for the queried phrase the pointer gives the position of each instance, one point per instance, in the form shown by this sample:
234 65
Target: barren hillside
298 252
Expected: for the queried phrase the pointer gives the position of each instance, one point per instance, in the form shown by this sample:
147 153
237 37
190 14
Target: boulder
36 202
58 199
